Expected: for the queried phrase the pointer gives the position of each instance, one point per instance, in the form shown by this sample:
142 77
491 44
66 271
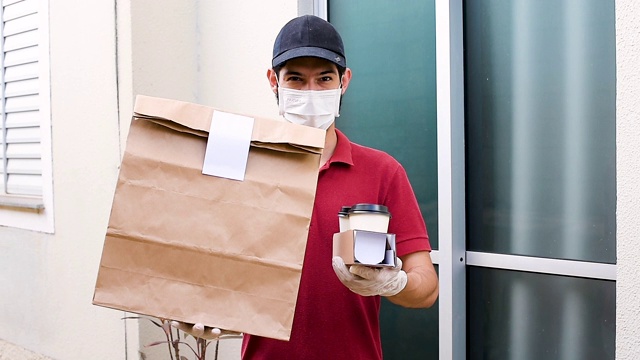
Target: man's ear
273 80
346 79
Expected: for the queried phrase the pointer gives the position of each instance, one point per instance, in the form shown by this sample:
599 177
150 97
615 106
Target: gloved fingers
192 329
364 272
368 281
397 284
221 333
379 281
398 264
341 270
198 330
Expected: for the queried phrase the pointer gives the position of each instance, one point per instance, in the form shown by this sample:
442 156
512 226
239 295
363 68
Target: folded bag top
196 119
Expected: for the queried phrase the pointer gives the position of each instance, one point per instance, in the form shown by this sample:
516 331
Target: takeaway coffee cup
370 217
343 218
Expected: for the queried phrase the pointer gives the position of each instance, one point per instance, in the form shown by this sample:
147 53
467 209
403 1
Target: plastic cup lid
369 208
344 210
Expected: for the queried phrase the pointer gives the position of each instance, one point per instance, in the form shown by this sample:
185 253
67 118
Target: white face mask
316 108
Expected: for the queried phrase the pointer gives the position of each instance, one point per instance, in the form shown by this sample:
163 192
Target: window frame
36 212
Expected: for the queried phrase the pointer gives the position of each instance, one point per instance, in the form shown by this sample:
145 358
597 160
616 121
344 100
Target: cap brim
312 52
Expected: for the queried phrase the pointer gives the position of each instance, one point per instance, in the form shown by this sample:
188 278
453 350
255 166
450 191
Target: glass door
516 177
540 178
391 106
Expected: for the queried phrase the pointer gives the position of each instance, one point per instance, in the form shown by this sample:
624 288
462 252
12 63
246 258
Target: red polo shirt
330 321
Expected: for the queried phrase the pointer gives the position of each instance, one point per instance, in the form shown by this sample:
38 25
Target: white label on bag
228 146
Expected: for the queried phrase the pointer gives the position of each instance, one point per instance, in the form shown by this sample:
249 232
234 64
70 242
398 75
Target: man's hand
368 281
198 330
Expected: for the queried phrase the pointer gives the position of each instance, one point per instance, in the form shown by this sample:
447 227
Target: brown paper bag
190 247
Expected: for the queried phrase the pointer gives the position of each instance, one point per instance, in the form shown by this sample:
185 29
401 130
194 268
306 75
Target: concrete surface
10 351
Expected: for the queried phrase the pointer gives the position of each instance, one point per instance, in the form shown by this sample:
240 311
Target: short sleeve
406 221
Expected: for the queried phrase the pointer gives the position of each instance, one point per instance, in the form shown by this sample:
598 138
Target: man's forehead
310 63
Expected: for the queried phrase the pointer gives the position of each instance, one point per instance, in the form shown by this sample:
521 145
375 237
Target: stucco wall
236 42
628 179
48 280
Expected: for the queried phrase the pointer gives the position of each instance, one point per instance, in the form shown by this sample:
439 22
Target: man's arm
422 287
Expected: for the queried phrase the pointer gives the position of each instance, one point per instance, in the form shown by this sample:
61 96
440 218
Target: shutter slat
21 103
21 56
21 24
21 40
19 9
21 72
24 167
23 119
21 88
23 151
25 184
23 135
9 2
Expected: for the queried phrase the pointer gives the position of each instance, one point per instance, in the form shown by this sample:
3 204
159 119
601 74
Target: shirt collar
342 153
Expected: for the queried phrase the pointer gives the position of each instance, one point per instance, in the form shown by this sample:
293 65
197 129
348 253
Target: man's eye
327 78
294 78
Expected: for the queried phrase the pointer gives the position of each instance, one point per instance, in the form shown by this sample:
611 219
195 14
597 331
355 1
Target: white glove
369 281
198 330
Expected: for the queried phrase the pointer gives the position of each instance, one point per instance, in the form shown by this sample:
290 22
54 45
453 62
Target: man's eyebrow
330 71
293 72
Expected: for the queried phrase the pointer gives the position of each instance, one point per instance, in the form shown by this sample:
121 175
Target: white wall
85 162
49 279
628 180
235 43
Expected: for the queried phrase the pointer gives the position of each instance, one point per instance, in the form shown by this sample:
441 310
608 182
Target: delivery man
337 311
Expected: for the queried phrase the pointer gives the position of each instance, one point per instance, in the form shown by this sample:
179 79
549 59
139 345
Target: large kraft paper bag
190 247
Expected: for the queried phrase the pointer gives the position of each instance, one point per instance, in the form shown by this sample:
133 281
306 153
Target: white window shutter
21 143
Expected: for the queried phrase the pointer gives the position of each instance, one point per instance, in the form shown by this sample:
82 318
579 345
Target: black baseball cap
308 35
